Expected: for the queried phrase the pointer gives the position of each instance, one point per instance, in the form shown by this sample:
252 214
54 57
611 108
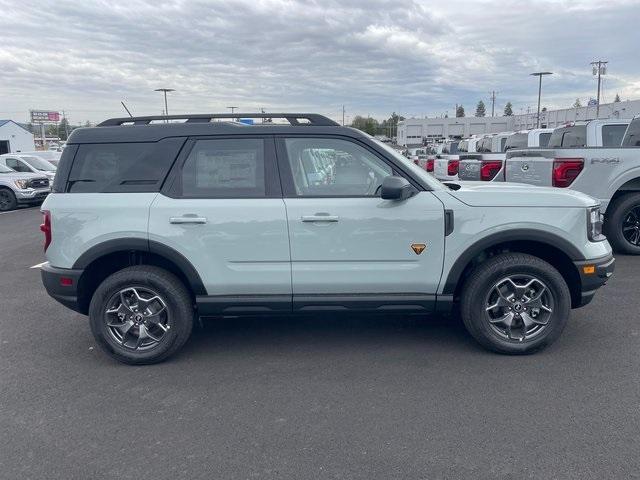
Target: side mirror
396 188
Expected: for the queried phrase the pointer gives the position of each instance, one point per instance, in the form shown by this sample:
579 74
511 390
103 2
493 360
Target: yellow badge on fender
418 247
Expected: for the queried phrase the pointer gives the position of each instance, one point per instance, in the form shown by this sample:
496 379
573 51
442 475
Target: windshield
428 179
39 164
4 169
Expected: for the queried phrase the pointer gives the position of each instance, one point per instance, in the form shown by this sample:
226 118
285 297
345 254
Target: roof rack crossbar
293 118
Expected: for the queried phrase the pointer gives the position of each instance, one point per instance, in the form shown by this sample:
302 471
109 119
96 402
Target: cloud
375 57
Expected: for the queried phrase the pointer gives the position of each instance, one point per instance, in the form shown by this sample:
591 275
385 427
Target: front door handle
319 217
188 218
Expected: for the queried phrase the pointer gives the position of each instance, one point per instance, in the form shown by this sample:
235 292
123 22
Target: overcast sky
374 56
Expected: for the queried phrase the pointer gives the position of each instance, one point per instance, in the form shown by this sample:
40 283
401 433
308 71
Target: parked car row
26 178
599 157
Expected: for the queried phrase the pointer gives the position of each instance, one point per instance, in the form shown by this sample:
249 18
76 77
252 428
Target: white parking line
38 265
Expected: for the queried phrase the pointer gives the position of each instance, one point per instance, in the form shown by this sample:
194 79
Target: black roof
154 128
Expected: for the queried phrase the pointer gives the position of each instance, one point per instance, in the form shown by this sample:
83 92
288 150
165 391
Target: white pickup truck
600 158
488 163
446 165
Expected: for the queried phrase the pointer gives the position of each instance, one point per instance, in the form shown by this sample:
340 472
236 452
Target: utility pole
233 109
165 90
599 68
493 94
343 115
540 75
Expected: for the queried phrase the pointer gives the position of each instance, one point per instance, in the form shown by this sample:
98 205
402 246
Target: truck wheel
622 224
515 303
7 200
141 315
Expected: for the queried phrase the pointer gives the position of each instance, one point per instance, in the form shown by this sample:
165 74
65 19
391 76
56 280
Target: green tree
459 111
577 103
508 110
368 124
481 110
617 99
63 128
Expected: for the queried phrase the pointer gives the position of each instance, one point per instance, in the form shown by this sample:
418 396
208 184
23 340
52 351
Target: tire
620 215
120 315
532 328
7 200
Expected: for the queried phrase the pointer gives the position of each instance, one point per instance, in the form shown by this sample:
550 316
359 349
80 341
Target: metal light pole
540 75
165 90
599 68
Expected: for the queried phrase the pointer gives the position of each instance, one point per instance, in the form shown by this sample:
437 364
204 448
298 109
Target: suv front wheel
141 315
515 303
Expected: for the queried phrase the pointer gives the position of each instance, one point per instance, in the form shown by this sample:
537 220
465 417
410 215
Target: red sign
44 116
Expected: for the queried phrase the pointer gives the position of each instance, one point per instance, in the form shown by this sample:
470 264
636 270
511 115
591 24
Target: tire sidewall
614 223
178 316
476 317
13 204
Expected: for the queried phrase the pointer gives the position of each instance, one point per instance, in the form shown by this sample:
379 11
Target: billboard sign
44 116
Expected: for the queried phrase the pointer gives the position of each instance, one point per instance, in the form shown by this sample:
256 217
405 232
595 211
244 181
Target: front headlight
594 224
21 184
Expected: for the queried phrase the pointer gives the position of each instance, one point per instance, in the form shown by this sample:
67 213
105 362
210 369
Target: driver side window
17 165
330 167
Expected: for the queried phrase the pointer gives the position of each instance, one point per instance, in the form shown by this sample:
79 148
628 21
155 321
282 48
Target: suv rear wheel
515 303
622 224
7 200
141 315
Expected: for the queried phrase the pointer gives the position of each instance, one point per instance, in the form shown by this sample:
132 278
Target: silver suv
152 224
21 188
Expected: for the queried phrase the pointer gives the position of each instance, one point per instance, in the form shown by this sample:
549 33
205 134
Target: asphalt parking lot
397 397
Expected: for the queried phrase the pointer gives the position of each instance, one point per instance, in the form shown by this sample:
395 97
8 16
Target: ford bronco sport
155 221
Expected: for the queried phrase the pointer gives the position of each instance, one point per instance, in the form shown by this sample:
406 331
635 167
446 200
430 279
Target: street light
165 90
540 74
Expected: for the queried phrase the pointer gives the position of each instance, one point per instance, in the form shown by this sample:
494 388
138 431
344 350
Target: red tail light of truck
429 166
452 167
45 228
489 169
566 170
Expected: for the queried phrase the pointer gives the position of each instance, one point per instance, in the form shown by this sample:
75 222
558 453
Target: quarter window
612 135
329 167
225 168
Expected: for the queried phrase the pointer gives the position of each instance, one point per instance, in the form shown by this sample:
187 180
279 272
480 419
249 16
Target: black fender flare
144 245
520 234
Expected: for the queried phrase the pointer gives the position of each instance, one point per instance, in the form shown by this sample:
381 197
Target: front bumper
594 274
31 195
62 285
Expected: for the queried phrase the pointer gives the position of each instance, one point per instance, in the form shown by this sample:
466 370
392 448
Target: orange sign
418 247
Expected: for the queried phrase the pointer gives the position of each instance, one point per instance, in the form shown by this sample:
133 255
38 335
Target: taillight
46 228
430 164
565 171
452 167
489 169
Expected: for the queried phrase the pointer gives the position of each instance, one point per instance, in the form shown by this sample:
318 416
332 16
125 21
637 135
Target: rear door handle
188 218
319 217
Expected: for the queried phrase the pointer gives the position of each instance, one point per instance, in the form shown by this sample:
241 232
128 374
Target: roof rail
293 118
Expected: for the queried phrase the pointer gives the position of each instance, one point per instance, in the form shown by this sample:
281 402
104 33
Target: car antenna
125 107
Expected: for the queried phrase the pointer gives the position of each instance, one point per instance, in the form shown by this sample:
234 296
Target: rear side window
503 144
517 140
122 167
569 137
544 139
450 148
225 168
463 146
632 137
612 135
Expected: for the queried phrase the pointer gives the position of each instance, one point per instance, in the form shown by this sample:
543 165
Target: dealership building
417 131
